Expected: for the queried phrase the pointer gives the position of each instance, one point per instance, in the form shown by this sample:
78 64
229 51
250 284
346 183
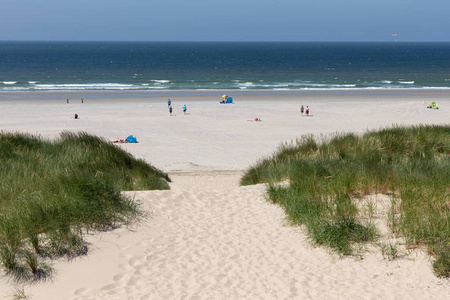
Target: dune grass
412 164
53 191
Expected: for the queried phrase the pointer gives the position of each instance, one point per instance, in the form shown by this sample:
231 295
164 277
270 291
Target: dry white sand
208 238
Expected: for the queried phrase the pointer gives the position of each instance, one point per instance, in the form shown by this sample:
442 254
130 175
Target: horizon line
219 41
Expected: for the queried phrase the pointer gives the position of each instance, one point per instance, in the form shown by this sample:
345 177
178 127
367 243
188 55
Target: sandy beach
207 237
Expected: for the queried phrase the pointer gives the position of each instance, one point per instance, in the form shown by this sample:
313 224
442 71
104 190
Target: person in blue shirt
184 109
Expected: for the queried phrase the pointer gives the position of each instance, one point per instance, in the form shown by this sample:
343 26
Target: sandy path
208 238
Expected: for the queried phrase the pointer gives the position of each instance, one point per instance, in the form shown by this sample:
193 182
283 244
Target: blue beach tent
229 99
131 139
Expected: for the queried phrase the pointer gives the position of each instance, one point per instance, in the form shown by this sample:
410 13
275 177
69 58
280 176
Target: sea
77 66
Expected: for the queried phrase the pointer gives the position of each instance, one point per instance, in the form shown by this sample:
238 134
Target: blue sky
231 20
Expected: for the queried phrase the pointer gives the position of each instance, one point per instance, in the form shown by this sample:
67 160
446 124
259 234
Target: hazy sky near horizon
230 20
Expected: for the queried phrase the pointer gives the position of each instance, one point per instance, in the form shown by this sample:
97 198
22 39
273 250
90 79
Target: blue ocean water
31 66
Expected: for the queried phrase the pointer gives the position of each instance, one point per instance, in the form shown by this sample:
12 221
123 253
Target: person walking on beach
170 109
184 109
302 109
169 103
307 110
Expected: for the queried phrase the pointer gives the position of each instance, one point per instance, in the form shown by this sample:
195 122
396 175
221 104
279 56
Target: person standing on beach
184 109
169 103
302 109
307 110
170 109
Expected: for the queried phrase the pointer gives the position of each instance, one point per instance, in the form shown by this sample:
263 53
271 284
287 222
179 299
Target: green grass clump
410 163
50 192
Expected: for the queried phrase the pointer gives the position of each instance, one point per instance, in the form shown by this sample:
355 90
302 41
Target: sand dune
207 237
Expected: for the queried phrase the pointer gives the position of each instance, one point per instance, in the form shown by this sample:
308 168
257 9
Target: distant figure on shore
67 100
82 101
169 103
76 116
120 141
433 105
170 109
129 139
255 120
184 109
302 109
307 111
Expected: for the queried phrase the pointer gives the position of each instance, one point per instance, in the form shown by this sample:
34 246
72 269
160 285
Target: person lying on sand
120 141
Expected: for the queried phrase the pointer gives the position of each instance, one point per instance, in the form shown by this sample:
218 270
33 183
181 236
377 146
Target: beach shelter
229 99
131 139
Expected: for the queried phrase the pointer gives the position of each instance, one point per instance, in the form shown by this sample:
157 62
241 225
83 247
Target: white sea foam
242 85
329 86
9 82
160 81
93 86
280 85
245 85
436 88
343 85
14 88
311 84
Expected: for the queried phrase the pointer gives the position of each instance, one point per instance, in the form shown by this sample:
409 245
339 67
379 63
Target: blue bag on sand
131 139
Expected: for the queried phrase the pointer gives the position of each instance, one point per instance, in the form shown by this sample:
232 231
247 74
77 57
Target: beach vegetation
390 250
52 192
411 165
20 294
